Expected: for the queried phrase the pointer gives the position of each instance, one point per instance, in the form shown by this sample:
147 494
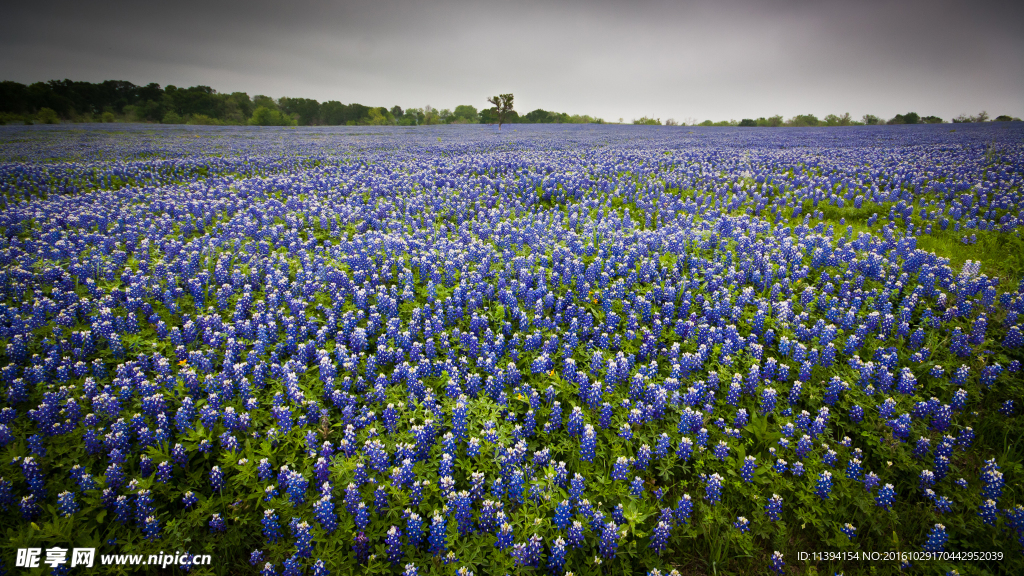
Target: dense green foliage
121 101
118 100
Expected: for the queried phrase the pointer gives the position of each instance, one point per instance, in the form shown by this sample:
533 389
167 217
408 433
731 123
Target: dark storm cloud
698 60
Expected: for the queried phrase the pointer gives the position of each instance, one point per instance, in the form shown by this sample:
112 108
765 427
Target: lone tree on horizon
502 107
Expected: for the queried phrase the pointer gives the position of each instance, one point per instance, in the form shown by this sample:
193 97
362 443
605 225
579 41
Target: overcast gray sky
726 59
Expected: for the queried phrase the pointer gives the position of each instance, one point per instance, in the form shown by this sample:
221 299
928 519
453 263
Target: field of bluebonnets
586 349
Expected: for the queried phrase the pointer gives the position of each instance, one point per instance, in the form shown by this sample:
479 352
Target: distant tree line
983 117
121 101
843 120
538 116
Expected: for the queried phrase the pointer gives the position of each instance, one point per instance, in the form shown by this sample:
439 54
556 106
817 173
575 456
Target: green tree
803 120
14 97
380 116
242 102
47 116
151 110
466 114
429 115
833 120
537 116
332 113
197 100
502 107
42 94
870 119
131 113
748 122
263 116
410 117
202 120
356 114
264 101
396 111
233 112
308 110
648 121
413 117
908 118
172 117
